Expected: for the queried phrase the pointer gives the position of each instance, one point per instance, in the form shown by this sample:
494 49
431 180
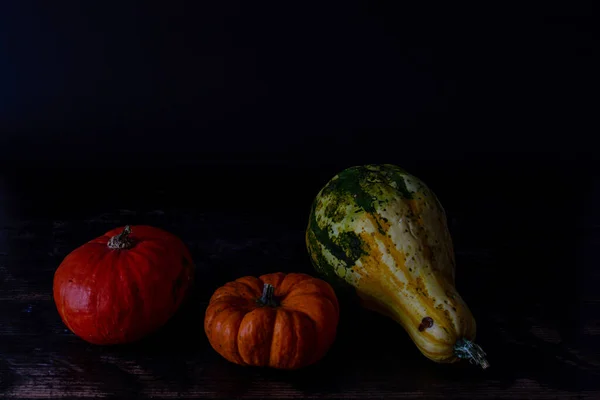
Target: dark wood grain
526 266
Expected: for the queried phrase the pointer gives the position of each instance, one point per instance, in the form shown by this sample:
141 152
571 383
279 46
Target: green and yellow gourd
384 232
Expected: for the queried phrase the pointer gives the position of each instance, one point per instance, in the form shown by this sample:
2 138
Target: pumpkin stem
122 240
474 353
267 298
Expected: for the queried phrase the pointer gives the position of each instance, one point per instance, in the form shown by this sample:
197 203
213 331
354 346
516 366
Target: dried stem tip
468 350
268 296
122 240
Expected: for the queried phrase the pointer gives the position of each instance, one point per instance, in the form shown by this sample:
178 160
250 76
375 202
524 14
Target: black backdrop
246 109
240 81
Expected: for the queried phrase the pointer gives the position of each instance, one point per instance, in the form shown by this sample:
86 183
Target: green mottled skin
382 232
358 187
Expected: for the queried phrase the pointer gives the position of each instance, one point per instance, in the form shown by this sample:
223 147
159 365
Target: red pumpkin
277 320
123 285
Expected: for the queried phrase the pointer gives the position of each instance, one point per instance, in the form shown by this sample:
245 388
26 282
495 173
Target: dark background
220 121
229 80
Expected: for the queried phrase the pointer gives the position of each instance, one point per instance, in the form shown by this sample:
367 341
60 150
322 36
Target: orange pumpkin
123 285
283 321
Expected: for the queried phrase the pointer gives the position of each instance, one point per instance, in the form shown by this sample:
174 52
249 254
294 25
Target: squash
123 285
282 321
383 233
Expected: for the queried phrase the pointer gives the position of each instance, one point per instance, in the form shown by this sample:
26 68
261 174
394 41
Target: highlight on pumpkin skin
382 232
282 321
107 293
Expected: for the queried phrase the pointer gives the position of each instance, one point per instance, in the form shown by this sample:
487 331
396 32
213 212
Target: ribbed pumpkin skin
115 296
296 332
384 232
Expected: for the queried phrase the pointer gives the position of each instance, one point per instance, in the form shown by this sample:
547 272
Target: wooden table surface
526 239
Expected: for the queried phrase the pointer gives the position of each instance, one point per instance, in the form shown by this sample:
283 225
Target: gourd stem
466 349
267 298
122 240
